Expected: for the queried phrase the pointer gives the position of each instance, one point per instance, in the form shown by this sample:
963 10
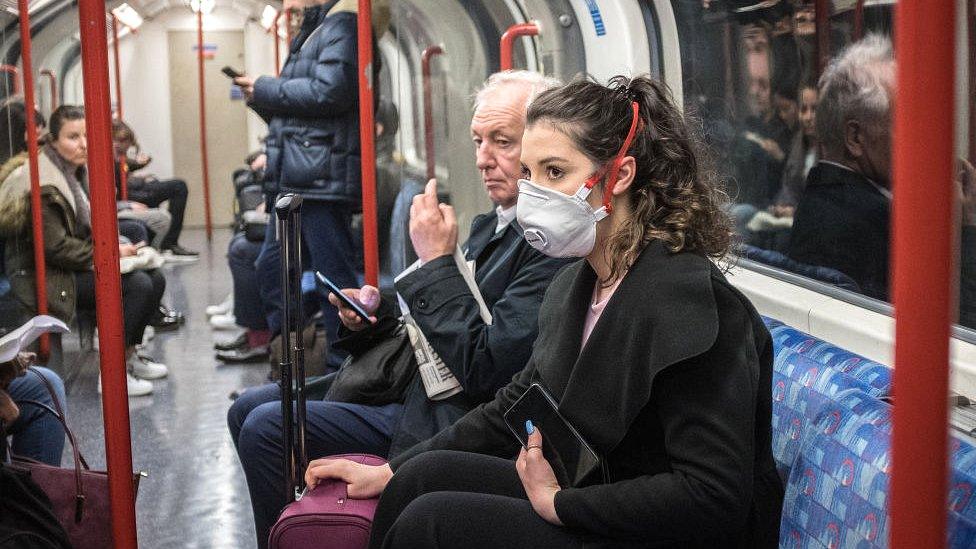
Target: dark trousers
241 256
134 230
142 292
459 499
332 428
153 192
36 433
327 243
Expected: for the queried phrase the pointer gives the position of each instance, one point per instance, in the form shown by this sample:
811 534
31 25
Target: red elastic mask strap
618 160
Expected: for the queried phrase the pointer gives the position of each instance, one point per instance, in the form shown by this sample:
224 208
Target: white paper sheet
19 339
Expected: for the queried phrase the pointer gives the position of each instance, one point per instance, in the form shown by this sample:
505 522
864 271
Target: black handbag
380 366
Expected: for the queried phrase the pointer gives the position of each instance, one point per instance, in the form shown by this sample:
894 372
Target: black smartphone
231 72
356 307
571 457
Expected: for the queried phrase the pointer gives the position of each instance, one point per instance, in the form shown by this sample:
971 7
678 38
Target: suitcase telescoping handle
288 209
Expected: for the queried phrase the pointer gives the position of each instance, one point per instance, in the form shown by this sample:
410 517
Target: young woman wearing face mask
66 213
659 363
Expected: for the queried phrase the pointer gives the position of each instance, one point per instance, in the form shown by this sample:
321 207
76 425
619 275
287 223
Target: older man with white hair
510 275
842 220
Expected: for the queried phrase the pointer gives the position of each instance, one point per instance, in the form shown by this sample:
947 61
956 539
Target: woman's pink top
596 309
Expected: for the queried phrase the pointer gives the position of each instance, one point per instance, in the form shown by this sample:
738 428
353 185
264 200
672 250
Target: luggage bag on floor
324 518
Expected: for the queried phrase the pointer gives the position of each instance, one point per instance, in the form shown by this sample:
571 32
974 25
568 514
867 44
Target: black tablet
571 457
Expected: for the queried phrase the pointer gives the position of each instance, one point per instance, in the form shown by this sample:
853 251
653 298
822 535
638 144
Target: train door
226 118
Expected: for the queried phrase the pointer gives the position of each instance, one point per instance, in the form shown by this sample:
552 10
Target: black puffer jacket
312 110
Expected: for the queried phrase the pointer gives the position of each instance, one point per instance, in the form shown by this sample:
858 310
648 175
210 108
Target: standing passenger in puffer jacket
312 111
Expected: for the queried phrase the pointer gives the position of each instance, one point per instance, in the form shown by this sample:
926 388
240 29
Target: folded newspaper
18 340
438 380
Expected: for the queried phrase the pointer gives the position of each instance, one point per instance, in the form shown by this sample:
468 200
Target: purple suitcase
326 518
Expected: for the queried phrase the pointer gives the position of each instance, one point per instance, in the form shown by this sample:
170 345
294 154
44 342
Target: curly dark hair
675 199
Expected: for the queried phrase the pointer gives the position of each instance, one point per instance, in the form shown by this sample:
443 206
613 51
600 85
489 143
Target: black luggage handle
288 209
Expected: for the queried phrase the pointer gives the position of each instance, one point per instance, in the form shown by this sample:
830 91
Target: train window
810 191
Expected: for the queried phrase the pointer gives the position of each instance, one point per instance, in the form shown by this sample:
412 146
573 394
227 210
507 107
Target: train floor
195 494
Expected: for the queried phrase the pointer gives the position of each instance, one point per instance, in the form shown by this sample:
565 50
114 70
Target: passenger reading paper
655 360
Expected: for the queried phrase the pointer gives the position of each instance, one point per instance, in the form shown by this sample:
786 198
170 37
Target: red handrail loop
425 59
52 80
14 73
506 46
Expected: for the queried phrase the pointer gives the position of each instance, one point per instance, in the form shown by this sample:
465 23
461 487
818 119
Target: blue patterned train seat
837 492
874 374
962 500
802 387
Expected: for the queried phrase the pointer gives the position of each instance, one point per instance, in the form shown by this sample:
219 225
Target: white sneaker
148 334
224 308
223 322
144 367
136 387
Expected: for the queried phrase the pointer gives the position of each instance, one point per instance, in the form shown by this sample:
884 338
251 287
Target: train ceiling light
128 16
204 6
268 17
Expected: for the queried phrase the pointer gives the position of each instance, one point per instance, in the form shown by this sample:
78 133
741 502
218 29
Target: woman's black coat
673 388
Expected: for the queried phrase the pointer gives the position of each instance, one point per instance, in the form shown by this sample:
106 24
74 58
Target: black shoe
164 312
176 249
165 324
244 354
236 343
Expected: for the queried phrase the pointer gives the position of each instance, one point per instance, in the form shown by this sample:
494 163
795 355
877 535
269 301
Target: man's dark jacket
842 223
512 277
312 110
673 388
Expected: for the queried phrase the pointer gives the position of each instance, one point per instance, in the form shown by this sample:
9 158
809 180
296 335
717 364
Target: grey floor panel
195 494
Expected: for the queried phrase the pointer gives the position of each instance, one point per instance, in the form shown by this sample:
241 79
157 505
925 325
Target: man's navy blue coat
312 111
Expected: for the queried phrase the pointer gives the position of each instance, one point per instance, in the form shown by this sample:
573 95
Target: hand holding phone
344 301
231 72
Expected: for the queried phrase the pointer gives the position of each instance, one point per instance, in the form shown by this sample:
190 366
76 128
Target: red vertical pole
367 135
123 172
288 28
37 222
508 41
108 285
923 258
52 80
203 128
858 20
117 65
821 14
14 73
429 108
971 31
277 44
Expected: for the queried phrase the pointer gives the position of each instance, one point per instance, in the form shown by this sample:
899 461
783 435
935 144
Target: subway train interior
165 110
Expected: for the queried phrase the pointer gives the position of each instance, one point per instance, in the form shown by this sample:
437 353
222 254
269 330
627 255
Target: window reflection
808 168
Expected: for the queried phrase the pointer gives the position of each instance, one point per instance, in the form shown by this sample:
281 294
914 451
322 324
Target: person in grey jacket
312 111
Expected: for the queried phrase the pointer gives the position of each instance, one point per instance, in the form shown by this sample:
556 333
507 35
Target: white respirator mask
561 225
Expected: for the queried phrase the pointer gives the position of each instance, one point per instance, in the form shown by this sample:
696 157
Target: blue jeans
332 428
37 434
327 243
242 255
